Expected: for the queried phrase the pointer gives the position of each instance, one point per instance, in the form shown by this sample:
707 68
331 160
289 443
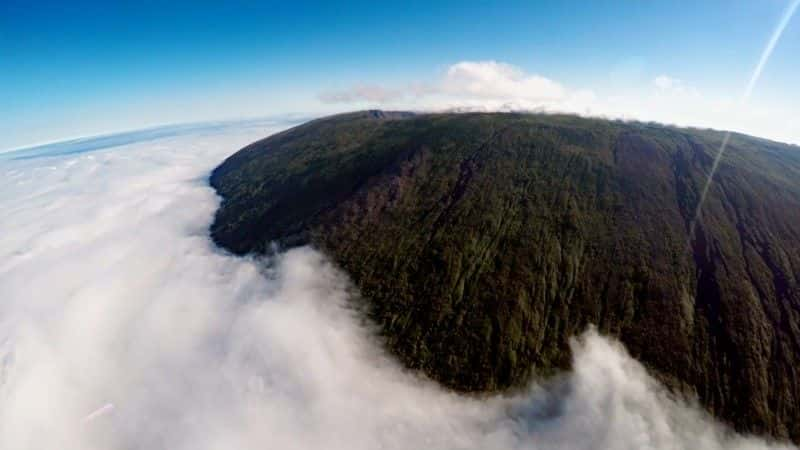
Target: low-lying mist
123 327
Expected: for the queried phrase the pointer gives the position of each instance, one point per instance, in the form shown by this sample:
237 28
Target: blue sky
77 68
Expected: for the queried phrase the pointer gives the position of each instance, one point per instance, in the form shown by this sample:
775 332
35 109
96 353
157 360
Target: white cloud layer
122 327
497 86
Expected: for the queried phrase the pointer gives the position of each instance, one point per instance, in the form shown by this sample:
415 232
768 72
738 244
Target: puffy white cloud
123 327
495 80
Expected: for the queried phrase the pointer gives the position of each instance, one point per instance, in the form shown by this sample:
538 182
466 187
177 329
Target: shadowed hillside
482 242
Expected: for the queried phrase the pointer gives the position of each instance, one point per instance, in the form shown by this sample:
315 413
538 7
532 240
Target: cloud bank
122 327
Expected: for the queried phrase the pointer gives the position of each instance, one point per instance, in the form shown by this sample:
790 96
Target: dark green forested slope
482 242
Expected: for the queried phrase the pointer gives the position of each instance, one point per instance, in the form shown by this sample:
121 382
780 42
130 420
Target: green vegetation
482 242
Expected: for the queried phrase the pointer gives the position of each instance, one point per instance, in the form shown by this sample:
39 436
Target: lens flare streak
765 55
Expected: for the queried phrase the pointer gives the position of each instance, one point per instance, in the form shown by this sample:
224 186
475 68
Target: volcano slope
481 242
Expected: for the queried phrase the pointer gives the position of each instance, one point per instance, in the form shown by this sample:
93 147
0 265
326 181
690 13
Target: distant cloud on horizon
487 80
471 85
491 85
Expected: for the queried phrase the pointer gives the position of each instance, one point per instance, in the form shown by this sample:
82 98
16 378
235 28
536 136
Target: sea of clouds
123 327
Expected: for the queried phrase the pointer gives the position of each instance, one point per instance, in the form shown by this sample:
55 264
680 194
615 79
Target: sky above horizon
86 68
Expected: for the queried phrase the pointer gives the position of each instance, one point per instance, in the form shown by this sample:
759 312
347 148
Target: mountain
482 242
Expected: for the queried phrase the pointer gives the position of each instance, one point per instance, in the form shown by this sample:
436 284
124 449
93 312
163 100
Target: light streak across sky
773 41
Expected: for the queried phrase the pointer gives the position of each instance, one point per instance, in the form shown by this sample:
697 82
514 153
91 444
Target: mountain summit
482 242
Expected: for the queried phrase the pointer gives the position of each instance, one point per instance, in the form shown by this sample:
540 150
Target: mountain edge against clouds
481 242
